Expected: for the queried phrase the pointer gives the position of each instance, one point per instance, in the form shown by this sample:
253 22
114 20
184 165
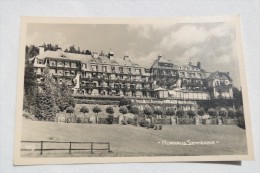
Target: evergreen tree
45 103
30 88
64 97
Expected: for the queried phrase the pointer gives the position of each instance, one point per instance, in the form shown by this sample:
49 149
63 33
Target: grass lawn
129 140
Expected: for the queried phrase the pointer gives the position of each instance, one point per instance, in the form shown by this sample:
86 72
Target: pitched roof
216 75
123 62
59 54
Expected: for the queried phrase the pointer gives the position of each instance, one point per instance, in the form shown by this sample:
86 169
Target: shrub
155 127
151 125
78 120
160 127
201 112
231 113
223 112
180 112
148 110
170 111
213 112
135 110
96 109
84 110
240 112
185 116
130 121
124 122
109 110
110 119
123 110
158 110
70 110
135 120
191 113
143 123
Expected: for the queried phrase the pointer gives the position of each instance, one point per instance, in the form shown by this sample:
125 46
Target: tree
238 98
223 112
191 113
170 111
70 110
231 113
84 110
110 110
45 103
148 110
123 110
135 110
240 112
72 49
158 111
213 112
180 112
201 112
30 88
123 102
64 97
96 110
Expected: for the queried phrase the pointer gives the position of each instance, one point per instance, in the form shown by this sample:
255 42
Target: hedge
185 121
99 102
210 121
162 121
104 120
229 121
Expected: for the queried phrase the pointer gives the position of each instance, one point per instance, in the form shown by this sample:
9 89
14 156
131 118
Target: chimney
198 65
126 57
41 49
159 56
111 55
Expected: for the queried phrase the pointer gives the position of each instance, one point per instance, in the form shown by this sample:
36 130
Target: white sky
212 44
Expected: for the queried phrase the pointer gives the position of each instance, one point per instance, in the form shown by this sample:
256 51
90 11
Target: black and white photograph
108 90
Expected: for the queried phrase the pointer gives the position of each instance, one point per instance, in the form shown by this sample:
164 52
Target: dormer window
39 61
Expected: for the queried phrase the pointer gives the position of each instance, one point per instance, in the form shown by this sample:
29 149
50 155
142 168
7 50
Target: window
104 68
84 65
94 67
113 69
138 71
121 69
60 64
73 65
129 70
67 64
53 63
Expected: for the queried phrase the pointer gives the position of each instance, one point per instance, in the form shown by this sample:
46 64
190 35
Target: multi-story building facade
97 75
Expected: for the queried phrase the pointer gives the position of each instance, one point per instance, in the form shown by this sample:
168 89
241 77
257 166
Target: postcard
118 90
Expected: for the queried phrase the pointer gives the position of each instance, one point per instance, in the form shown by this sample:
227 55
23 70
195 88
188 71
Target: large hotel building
102 76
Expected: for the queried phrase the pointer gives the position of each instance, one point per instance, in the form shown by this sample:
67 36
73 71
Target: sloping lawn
129 140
